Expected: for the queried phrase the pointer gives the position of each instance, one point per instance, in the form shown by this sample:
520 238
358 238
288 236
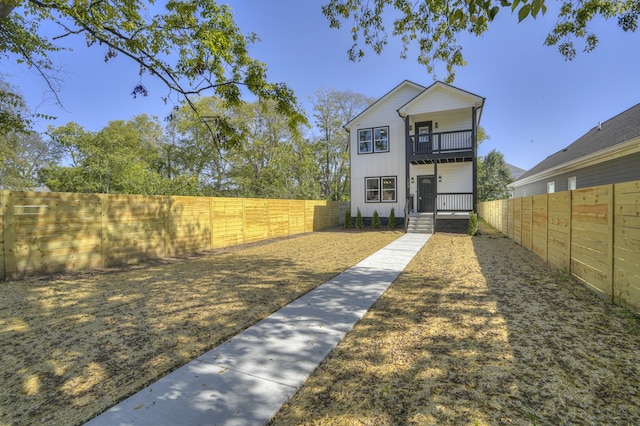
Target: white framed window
389 189
551 187
572 183
381 139
365 141
372 140
381 189
372 186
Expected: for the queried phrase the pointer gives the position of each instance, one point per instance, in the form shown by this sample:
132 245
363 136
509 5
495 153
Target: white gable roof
440 97
394 99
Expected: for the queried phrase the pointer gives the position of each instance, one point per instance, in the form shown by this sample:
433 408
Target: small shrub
391 224
347 219
359 223
375 221
472 228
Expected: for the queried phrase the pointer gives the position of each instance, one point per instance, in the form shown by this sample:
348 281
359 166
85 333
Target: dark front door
426 193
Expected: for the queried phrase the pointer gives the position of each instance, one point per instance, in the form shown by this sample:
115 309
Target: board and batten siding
439 99
390 163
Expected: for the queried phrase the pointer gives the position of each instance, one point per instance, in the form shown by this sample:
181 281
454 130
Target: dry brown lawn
479 331
72 346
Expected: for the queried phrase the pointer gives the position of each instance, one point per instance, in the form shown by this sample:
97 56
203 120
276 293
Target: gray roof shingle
621 128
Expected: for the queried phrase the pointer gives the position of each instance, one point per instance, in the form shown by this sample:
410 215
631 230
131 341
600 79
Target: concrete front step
420 224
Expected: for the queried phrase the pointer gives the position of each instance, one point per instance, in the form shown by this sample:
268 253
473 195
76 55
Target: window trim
367 189
372 142
574 180
551 187
379 189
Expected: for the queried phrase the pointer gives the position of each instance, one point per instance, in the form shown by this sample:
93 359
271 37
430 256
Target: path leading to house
246 380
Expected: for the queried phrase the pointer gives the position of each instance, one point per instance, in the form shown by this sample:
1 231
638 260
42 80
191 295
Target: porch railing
436 143
454 202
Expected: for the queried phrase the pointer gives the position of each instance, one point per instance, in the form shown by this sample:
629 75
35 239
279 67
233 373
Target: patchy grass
479 331
72 346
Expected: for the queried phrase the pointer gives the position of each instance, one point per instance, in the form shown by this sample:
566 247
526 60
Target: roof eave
622 149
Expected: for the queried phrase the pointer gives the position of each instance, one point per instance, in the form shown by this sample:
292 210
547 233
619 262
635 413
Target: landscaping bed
74 345
479 331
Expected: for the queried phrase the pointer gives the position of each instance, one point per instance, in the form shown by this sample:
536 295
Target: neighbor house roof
601 139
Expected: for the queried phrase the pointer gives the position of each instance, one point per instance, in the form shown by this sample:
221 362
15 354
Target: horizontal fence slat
592 233
52 232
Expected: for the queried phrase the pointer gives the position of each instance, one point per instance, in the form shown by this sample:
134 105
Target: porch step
420 224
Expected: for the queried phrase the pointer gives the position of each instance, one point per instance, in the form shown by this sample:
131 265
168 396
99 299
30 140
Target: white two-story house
415 150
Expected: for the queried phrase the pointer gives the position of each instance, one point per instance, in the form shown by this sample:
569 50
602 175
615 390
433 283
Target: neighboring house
515 171
608 153
414 150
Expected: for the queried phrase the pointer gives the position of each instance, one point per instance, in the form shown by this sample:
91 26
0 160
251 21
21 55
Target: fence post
611 242
570 230
9 235
104 230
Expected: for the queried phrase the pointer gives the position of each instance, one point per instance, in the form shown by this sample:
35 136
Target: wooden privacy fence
45 232
591 233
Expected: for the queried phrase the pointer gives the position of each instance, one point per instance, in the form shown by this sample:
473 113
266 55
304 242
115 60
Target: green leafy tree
191 149
435 26
272 160
493 177
120 158
22 155
331 110
193 46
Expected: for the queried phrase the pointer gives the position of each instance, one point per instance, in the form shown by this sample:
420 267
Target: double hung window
381 189
373 140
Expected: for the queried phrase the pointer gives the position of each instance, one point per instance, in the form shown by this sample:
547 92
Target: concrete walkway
246 380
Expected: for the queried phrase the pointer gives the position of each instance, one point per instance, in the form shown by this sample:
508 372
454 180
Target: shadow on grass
71 349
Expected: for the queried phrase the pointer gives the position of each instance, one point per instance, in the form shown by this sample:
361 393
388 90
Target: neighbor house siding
622 169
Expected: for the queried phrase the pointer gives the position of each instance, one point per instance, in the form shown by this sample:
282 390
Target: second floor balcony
443 144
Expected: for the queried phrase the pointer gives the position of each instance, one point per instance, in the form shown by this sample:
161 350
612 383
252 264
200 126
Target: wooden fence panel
278 218
590 226
539 225
510 218
626 267
227 222
43 232
559 230
133 228
517 220
526 217
52 232
505 218
296 216
187 225
4 198
256 220
310 220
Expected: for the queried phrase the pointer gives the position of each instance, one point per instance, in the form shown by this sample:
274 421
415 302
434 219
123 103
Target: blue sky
536 102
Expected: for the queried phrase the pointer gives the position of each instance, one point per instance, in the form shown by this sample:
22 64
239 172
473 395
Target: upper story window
572 183
551 187
373 140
